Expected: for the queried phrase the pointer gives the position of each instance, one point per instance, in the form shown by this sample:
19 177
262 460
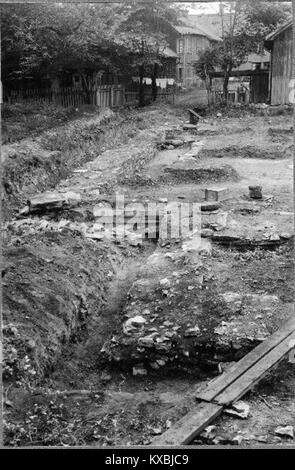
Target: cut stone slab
209 206
255 192
190 127
51 201
285 431
214 193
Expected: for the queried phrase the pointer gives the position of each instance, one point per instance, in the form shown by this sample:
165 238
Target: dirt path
198 309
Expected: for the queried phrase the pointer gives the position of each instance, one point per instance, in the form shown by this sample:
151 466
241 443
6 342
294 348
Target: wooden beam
218 385
250 378
188 427
230 387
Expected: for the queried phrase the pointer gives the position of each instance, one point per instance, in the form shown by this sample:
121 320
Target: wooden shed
280 44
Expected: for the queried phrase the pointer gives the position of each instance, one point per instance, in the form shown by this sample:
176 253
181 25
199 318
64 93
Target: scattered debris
285 431
237 440
240 409
139 371
255 192
134 324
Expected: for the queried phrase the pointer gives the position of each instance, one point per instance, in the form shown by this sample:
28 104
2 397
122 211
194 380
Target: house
252 76
211 22
191 42
280 45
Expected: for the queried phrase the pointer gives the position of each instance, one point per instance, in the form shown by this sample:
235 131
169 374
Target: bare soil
73 374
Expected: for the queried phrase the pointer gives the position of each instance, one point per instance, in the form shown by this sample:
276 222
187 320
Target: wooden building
191 42
280 44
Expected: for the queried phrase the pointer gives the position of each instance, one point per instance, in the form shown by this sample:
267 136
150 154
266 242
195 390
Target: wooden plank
184 430
216 386
188 427
238 388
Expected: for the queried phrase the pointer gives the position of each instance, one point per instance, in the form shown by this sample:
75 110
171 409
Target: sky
198 8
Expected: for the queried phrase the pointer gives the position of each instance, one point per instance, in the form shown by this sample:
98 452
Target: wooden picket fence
66 97
108 96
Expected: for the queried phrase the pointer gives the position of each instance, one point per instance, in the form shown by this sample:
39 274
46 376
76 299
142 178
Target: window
180 76
189 45
180 46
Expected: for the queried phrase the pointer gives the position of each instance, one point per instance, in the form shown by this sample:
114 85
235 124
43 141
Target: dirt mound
51 290
176 318
204 173
37 165
222 130
245 152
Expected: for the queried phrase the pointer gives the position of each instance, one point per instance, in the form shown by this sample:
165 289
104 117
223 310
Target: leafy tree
46 39
249 23
40 40
145 32
205 67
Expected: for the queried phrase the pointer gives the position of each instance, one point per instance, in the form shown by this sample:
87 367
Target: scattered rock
146 341
139 371
261 439
286 235
156 431
168 424
255 192
134 324
165 283
105 377
208 433
285 431
134 239
240 409
195 331
237 440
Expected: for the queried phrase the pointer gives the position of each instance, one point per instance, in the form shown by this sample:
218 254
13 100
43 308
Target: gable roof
196 30
168 52
279 30
210 22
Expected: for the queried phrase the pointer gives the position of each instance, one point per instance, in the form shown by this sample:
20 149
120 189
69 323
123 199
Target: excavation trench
156 308
125 327
119 381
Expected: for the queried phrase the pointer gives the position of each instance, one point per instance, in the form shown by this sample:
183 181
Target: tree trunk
86 88
225 86
154 82
141 88
208 83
